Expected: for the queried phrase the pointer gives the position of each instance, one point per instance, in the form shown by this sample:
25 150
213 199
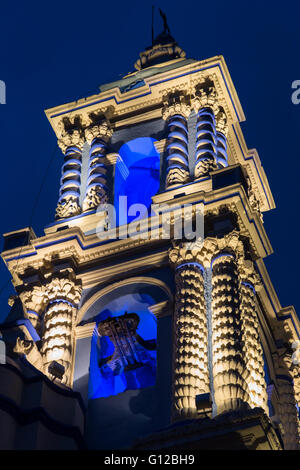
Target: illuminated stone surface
168 133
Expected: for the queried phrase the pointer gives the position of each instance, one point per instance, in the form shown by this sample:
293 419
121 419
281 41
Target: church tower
140 332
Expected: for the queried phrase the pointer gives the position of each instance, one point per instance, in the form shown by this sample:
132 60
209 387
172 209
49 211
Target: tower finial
164 18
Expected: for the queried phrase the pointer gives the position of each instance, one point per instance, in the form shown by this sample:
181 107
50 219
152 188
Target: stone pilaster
190 367
176 112
71 143
96 191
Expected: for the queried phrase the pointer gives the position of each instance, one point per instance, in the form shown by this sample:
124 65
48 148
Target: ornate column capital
175 104
71 138
199 251
102 131
206 98
203 251
64 288
184 252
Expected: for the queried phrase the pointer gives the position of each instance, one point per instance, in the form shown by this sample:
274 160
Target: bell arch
119 348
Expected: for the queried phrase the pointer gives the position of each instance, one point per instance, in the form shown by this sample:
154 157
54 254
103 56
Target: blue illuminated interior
137 174
105 379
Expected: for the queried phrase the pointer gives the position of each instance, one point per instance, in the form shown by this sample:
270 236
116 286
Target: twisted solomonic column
190 367
229 365
177 171
63 295
96 191
71 144
222 131
253 352
206 105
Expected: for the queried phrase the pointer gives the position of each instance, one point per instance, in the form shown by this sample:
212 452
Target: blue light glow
110 377
137 173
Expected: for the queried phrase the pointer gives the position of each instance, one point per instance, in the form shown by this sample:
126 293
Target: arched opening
123 353
126 361
137 175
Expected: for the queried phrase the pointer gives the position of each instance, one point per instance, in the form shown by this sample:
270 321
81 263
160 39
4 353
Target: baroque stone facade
226 353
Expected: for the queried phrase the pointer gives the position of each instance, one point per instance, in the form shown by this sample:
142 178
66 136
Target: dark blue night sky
52 53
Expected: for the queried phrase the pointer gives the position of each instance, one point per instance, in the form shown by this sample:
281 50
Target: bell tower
183 335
